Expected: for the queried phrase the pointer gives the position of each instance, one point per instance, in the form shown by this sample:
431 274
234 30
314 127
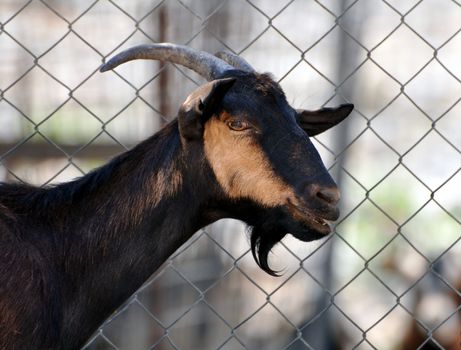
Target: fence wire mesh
389 276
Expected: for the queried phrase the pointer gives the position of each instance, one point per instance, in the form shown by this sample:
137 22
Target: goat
73 252
436 322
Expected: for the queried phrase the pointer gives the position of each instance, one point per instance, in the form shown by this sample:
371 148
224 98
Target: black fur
72 253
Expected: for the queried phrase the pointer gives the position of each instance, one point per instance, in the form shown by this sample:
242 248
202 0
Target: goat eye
238 125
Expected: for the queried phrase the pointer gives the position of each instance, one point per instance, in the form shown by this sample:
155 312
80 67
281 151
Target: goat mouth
308 218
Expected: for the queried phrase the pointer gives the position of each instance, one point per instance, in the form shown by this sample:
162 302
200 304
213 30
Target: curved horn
235 60
205 64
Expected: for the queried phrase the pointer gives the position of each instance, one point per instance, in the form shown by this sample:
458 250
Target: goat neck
121 222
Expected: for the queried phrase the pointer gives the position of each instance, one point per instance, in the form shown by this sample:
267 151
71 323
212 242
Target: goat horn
235 61
205 64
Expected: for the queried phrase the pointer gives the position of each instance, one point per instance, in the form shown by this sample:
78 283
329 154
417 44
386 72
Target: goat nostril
329 195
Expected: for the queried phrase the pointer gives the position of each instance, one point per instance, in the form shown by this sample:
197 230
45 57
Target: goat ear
200 106
316 122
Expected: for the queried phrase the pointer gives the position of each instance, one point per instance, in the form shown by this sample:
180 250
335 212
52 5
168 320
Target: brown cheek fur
241 166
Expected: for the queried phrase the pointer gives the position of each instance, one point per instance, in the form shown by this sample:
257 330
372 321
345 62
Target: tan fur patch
241 167
166 183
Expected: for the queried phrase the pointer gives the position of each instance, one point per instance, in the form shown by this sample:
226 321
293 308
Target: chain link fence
389 276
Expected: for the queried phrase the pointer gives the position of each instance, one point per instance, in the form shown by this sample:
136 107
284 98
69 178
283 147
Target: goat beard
263 238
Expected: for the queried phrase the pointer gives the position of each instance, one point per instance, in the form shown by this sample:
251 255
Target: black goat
73 252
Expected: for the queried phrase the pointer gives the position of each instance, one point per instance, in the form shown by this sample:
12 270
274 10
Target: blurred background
390 275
